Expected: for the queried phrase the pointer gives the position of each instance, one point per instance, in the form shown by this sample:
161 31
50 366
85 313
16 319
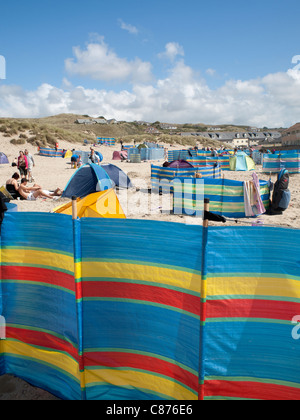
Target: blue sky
194 61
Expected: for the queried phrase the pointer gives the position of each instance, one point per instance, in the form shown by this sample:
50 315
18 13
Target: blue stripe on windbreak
161 243
43 376
139 327
260 251
39 306
38 230
261 350
112 392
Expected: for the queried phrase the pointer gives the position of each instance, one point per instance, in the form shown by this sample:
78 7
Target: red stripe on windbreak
250 390
39 275
252 308
160 295
138 361
42 339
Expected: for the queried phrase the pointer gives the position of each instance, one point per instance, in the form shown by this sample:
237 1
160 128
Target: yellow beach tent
101 204
68 154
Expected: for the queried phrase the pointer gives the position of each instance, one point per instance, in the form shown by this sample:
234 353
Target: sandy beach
51 173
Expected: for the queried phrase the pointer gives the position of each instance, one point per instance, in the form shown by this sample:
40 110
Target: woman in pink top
23 165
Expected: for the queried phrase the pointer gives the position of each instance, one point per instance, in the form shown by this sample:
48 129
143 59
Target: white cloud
172 50
273 100
99 62
211 72
128 27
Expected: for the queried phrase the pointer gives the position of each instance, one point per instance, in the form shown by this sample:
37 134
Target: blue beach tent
86 180
3 158
119 178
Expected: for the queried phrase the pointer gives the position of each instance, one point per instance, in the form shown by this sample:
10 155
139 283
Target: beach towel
252 199
259 206
248 199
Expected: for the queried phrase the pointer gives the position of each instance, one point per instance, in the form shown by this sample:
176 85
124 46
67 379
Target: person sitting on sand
32 193
12 186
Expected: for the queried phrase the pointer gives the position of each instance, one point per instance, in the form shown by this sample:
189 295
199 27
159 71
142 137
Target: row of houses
291 136
95 121
240 138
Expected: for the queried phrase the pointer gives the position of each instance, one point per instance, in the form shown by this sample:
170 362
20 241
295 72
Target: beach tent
119 178
3 159
88 179
241 162
101 204
120 155
67 154
180 164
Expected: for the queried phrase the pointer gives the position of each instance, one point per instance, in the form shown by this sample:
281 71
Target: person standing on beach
31 164
22 164
94 158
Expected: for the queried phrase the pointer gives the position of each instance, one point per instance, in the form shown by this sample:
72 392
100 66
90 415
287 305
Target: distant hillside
47 131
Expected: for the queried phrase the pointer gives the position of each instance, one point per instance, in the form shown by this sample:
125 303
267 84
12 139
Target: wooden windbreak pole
74 208
203 298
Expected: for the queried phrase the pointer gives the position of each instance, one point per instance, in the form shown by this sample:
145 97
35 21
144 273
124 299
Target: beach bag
285 200
281 194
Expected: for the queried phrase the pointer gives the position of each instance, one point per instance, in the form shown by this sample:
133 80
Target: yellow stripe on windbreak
253 286
139 380
51 357
160 275
37 258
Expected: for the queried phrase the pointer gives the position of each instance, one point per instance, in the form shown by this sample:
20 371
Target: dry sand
51 173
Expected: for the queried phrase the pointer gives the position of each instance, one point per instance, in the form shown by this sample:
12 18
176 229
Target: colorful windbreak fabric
37 300
50 152
141 310
253 294
201 160
162 178
226 196
275 162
